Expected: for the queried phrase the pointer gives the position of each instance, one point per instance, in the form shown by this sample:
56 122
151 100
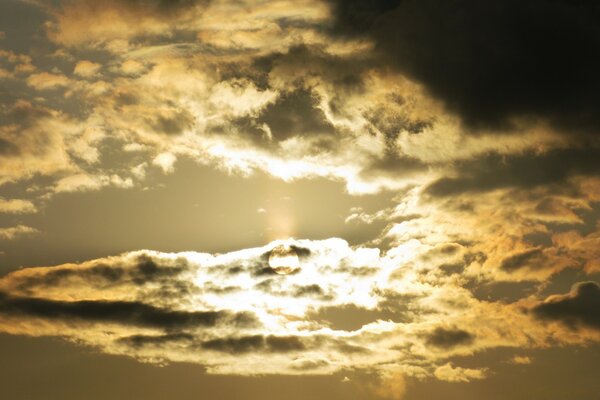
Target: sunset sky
300 199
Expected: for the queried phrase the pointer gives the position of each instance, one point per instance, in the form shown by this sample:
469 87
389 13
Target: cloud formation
578 308
490 63
477 120
161 307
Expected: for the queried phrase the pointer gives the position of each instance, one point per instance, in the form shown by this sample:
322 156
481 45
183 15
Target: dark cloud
144 270
309 365
449 338
168 4
107 272
149 340
272 287
504 292
393 165
263 270
452 268
296 111
148 270
527 258
351 318
391 124
306 61
301 252
490 61
522 171
121 312
173 124
24 114
296 114
255 343
8 149
159 7
212 288
579 307
313 290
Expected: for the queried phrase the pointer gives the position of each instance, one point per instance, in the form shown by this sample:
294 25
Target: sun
284 260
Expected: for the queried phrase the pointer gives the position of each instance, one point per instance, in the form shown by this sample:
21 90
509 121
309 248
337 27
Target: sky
328 199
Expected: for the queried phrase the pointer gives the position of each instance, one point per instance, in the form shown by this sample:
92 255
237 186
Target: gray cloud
122 312
523 259
490 62
522 171
256 343
449 338
580 307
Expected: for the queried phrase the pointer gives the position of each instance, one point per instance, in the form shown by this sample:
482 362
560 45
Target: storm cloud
491 62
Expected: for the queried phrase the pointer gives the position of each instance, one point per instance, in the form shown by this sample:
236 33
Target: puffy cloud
47 80
132 67
33 140
16 206
86 68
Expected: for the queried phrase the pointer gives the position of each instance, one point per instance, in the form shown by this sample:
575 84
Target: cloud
529 170
522 259
480 64
81 182
450 373
16 206
484 138
71 25
47 81
99 311
580 307
293 114
256 343
265 87
15 232
86 68
32 141
228 313
448 338
521 360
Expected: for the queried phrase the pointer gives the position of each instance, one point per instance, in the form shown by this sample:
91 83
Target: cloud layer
345 309
478 120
